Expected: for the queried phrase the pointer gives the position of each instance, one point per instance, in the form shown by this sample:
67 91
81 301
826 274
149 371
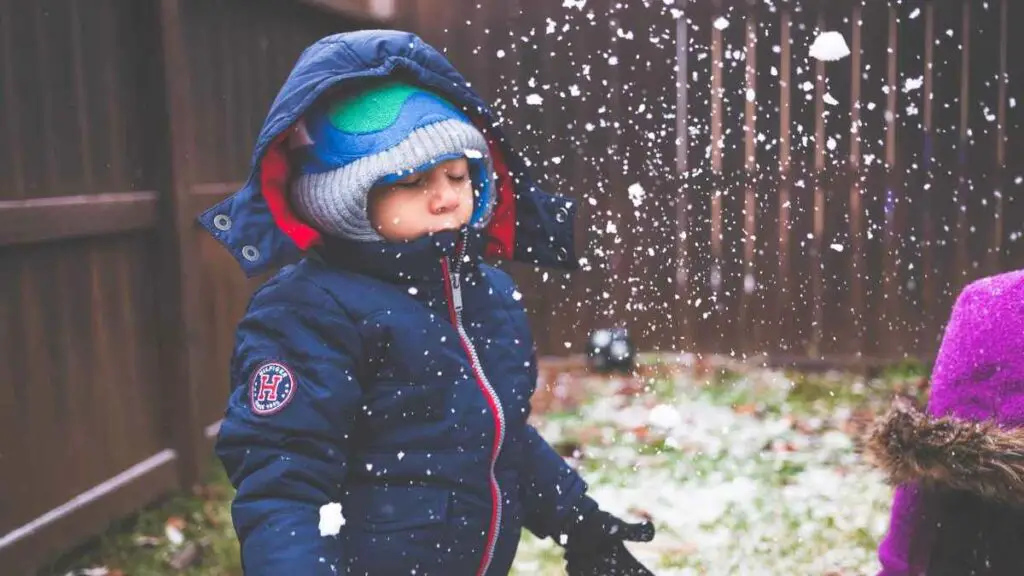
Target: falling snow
740 476
636 194
911 84
829 47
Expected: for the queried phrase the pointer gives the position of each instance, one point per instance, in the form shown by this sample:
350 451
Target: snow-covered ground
742 474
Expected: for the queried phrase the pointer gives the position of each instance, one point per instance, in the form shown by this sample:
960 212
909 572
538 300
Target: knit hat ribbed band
348 146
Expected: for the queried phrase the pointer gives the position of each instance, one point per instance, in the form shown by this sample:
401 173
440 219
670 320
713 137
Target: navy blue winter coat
392 378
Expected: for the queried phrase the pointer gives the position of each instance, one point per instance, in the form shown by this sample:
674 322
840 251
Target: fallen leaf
173 529
748 409
641 433
144 541
185 557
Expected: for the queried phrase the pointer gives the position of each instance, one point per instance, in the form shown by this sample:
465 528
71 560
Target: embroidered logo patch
271 388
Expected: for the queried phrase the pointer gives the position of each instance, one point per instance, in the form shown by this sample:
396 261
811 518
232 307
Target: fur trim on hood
976 457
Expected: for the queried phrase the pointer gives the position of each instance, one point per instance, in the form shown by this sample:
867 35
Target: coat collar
405 263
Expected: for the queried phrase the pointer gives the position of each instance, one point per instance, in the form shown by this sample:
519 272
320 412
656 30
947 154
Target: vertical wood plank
834 182
731 310
700 122
1013 174
180 303
942 170
583 176
11 159
983 196
963 257
801 217
857 206
914 207
125 163
894 206
747 318
767 257
786 294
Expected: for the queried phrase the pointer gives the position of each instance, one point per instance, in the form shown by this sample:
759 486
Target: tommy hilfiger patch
271 388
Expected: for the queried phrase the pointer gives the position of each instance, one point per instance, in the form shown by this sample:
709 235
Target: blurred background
740 199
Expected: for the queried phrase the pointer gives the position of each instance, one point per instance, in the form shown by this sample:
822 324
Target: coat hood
946 452
260 229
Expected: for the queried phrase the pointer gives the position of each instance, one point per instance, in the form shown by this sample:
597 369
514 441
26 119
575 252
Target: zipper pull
456 292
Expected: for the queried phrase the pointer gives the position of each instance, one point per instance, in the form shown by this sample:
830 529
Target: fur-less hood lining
977 457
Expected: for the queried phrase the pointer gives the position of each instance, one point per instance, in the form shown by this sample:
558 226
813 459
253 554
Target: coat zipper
454 289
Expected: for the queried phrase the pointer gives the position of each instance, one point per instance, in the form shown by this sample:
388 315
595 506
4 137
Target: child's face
423 203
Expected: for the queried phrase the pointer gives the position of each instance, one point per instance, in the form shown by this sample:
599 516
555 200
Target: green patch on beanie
372 110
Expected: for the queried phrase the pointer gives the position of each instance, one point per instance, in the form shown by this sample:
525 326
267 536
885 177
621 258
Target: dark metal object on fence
610 350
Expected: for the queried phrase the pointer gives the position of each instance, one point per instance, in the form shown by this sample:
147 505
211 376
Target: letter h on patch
268 387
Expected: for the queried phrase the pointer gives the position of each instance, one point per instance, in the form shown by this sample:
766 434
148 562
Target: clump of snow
665 416
636 194
829 47
474 154
331 519
578 4
721 23
534 99
911 84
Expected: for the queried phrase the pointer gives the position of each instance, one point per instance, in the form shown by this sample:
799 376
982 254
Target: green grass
207 521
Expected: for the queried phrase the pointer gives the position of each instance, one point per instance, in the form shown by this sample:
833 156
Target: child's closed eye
411 183
458 177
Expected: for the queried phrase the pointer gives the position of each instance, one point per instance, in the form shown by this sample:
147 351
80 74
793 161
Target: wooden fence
791 206
119 121
717 167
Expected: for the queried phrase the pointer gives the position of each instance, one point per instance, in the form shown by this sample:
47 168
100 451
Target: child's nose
445 198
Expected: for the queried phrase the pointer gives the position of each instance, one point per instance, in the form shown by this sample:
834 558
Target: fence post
178 291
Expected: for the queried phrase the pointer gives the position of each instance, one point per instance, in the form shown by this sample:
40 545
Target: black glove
594 543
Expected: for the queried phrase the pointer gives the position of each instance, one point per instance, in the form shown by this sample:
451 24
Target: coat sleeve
286 431
550 487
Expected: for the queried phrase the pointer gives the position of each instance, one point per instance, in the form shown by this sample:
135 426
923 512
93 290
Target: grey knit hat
346 147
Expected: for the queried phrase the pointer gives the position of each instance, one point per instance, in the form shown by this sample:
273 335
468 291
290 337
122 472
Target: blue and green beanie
344 147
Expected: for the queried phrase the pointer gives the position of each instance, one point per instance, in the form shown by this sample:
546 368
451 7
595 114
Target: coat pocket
393 508
397 530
